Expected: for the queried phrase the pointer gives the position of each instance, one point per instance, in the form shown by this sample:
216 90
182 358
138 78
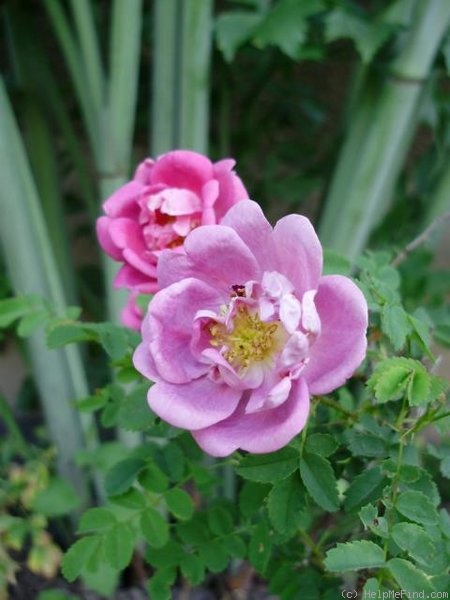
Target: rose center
250 340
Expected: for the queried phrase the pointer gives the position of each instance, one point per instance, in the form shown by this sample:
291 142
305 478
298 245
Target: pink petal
123 202
248 220
341 345
231 188
127 276
299 252
144 363
210 193
273 392
290 311
310 316
104 237
143 173
183 169
260 432
170 322
179 202
131 315
173 267
217 252
194 405
295 350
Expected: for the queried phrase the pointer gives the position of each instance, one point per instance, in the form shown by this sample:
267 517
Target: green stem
32 267
378 140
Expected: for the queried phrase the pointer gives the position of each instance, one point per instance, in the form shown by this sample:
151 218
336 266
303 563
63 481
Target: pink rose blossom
245 329
156 210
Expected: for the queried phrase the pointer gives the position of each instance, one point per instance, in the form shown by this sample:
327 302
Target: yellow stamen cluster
250 340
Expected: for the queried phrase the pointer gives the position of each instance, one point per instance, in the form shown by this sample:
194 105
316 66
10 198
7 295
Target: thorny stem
420 239
333 404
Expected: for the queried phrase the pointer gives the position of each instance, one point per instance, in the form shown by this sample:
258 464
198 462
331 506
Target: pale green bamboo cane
32 267
374 154
108 103
439 202
182 53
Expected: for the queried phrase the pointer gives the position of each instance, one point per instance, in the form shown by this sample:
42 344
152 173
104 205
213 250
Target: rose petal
144 363
290 311
183 169
260 432
299 252
231 188
177 202
217 252
195 405
123 202
104 237
170 321
341 345
248 220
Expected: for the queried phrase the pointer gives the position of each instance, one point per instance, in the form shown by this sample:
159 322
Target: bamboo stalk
374 154
32 267
439 203
180 101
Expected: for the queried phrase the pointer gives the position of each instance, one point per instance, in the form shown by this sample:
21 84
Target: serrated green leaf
192 568
363 443
169 555
233 29
153 479
260 547
29 323
179 503
416 507
419 388
122 475
269 468
134 413
220 520
320 482
160 584
65 332
172 461
285 26
321 443
155 528
133 499
367 36
96 519
415 540
409 578
195 531
213 555
12 309
365 488
286 504
252 496
353 556
58 498
118 546
235 546
78 556
395 324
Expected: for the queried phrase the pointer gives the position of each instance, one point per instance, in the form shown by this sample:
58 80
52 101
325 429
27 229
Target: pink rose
156 210
245 329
